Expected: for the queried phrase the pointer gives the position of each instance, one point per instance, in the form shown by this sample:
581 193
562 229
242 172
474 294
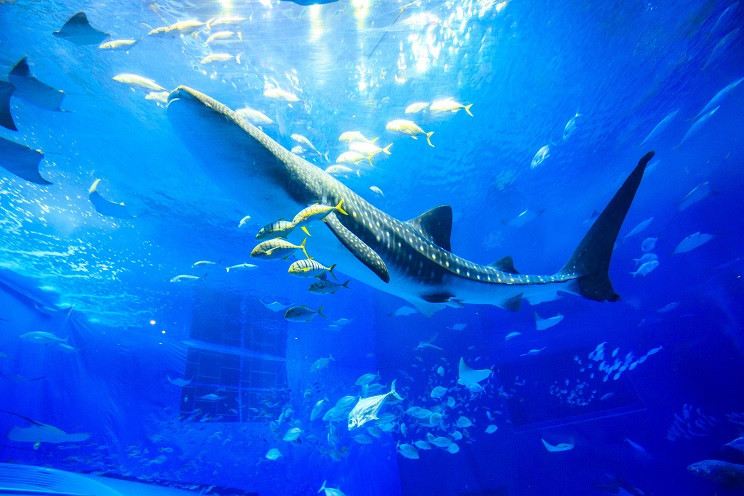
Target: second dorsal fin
435 225
505 264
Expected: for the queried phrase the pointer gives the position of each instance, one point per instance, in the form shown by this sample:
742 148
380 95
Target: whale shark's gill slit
358 248
591 259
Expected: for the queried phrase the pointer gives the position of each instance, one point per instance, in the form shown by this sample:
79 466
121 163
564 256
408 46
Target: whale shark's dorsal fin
358 248
505 264
21 69
435 225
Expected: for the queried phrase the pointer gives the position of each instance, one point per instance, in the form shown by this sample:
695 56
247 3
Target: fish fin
340 207
395 393
358 248
21 69
21 161
590 261
322 488
374 139
6 118
304 229
435 225
79 19
387 149
428 138
80 23
330 270
302 245
505 264
513 304
320 312
467 109
437 297
94 187
426 308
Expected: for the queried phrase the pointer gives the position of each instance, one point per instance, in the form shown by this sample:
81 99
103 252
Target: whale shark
410 259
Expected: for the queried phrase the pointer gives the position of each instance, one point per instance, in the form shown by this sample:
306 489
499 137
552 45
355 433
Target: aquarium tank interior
371 247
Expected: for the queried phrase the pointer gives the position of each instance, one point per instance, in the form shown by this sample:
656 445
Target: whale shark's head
239 157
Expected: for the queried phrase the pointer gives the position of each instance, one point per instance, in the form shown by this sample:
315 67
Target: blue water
102 283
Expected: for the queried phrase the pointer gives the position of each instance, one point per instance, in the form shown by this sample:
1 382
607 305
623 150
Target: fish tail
590 262
320 312
330 269
467 109
302 247
387 149
393 392
340 207
428 138
94 187
346 284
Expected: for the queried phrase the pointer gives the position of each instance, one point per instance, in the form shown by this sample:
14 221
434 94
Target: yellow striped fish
310 268
275 248
317 211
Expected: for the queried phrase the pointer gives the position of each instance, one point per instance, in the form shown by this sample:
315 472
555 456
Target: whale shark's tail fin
591 259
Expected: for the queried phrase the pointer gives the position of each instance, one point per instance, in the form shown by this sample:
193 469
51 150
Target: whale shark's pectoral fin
358 248
435 225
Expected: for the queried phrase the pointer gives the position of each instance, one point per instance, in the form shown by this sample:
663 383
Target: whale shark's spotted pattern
413 258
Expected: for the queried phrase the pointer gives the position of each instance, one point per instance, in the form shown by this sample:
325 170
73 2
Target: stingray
42 433
469 377
542 323
106 207
21 161
180 382
6 119
78 30
558 447
33 91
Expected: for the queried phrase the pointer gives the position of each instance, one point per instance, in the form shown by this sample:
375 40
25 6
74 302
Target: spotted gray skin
409 259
